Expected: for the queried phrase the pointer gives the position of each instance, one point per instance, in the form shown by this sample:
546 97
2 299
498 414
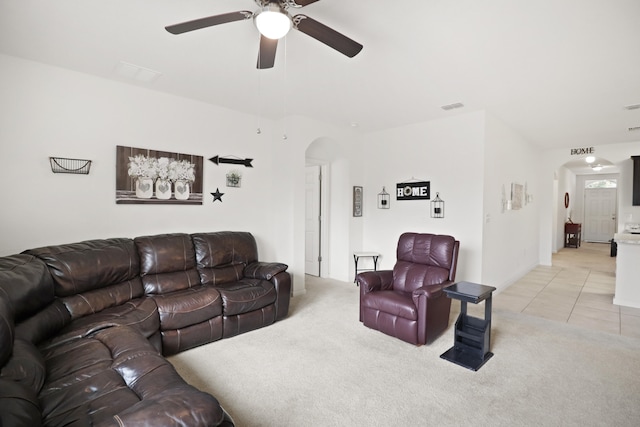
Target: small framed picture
357 201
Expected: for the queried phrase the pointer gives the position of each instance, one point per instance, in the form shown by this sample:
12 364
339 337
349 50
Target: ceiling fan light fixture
273 22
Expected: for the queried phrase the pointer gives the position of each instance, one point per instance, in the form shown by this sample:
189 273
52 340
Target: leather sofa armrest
264 270
375 280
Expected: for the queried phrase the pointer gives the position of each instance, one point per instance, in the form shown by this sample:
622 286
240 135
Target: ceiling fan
274 22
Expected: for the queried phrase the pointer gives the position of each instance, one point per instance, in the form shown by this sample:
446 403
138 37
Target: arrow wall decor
231 160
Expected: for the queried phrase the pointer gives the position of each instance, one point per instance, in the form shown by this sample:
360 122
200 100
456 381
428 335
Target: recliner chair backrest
424 259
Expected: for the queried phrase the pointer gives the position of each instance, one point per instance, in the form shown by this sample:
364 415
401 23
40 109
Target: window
600 183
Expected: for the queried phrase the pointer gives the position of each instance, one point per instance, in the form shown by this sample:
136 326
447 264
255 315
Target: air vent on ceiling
452 106
632 107
137 73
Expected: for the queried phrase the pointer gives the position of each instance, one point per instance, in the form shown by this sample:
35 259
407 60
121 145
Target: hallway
578 289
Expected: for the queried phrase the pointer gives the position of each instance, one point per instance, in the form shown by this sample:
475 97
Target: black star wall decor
217 195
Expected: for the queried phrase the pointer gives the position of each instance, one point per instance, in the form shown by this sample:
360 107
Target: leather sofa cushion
167 263
246 295
408 276
219 275
116 377
85 266
430 249
392 302
26 366
44 324
26 283
224 247
7 330
140 314
188 307
19 405
165 253
91 302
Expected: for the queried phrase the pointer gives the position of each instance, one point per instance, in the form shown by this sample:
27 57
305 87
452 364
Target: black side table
472 338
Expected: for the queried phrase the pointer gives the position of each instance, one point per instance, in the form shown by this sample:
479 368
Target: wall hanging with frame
357 200
157 177
416 190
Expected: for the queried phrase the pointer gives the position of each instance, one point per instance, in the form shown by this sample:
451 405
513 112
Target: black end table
472 339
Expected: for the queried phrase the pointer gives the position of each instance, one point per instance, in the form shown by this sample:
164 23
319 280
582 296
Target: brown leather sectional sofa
84 326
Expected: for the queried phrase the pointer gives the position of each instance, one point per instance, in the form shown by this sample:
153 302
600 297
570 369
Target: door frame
324 213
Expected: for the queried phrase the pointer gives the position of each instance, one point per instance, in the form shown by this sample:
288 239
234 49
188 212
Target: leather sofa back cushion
408 276
167 263
224 248
97 300
430 249
94 264
26 283
423 259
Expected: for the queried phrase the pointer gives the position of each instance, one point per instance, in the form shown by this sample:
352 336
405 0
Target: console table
572 235
358 255
472 336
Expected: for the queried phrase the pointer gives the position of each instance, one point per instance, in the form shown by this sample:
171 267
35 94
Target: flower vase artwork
164 171
182 189
143 169
163 184
182 173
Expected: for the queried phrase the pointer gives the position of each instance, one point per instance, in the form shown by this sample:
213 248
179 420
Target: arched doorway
587 188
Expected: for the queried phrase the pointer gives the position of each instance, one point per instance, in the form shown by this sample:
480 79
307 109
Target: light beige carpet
322 367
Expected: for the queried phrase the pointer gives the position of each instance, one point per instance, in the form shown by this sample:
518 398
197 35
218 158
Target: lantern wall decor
383 199
437 207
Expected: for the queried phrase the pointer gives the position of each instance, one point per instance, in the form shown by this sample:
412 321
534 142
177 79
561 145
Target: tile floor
578 289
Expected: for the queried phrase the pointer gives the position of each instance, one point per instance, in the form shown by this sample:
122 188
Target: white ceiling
559 72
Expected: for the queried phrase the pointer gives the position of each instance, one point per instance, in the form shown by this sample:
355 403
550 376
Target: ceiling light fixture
597 167
590 159
273 22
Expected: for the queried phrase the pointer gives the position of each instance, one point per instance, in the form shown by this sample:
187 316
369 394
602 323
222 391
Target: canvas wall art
157 177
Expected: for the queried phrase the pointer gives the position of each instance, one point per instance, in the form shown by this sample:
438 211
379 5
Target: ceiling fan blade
267 53
303 3
209 21
326 35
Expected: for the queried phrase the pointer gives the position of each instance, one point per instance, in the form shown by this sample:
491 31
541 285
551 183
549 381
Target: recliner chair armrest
264 270
375 280
431 291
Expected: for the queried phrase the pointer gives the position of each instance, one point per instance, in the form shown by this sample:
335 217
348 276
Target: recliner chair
408 302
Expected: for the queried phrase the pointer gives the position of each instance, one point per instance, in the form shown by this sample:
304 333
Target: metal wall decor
437 207
232 160
383 199
75 166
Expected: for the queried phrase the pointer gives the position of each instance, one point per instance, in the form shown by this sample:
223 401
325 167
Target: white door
599 214
312 220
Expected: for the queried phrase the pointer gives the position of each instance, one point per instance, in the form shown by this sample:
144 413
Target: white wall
510 238
48 111
449 153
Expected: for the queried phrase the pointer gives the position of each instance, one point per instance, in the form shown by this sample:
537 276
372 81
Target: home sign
413 190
